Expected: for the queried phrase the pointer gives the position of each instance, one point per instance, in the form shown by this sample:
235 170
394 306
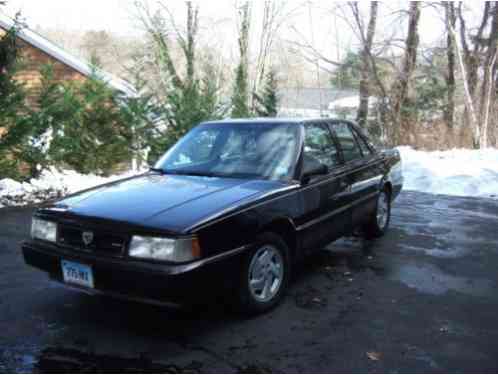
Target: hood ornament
87 238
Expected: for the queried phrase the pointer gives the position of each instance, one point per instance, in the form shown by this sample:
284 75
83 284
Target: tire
378 224
265 275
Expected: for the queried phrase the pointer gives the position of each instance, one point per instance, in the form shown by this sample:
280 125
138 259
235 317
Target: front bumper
142 281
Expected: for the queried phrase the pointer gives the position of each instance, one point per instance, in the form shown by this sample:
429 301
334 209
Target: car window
319 147
363 144
198 151
347 141
267 151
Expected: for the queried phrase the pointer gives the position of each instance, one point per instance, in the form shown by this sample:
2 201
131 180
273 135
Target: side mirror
317 170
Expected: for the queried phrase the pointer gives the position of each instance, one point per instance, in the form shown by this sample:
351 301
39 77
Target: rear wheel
265 274
378 224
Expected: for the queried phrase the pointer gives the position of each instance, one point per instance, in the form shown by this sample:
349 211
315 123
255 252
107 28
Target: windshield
245 150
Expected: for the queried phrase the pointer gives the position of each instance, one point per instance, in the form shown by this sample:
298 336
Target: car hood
166 202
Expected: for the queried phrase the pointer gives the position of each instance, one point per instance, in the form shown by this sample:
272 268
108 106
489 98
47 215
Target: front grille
101 242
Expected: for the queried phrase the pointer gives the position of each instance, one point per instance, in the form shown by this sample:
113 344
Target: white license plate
77 274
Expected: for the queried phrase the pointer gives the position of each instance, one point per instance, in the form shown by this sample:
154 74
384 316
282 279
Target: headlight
44 230
165 249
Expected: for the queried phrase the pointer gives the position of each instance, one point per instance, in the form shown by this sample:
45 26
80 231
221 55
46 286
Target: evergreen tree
81 126
14 128
188 98
347 75
185 108
58 106
267 102
97 140
145 117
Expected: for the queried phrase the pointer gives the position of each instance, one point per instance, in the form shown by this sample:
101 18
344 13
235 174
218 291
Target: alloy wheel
382 210
266 273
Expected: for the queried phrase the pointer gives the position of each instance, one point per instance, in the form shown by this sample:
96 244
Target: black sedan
230 208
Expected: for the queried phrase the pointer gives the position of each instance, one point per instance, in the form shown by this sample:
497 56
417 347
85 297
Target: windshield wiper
183 173
157 170
194 173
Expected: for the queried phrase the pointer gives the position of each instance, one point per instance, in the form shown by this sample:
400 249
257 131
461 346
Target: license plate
77 274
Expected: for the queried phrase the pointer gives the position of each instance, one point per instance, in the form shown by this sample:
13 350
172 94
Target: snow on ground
457 172
51 184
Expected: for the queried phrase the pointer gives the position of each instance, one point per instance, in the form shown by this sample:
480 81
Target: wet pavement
422 299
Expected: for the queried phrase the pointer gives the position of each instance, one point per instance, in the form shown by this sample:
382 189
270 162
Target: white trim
36 40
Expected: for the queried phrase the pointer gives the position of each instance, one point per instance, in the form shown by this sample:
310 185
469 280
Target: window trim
325 125
331 126
358 142
361 136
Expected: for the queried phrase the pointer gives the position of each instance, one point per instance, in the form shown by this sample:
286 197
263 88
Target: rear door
363 171
324 199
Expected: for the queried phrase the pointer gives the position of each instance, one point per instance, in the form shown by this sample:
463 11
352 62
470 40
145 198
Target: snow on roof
50 48
349 102
310 98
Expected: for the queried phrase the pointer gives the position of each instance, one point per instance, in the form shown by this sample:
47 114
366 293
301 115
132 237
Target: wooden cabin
37 51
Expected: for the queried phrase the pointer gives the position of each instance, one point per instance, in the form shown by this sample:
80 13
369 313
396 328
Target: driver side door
324 198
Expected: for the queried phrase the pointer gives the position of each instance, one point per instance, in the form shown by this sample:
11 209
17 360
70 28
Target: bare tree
463 63
367 38
482 57
488 89
392 96
269 27
400 89
450 17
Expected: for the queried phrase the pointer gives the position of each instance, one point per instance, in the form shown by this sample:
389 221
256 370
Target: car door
363 172
326 216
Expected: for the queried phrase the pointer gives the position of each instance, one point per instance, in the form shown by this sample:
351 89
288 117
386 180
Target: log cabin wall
32 59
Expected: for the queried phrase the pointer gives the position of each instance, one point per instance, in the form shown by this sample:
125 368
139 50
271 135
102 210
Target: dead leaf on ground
374 356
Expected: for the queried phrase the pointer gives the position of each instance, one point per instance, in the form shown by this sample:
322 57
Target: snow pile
51 184
457 172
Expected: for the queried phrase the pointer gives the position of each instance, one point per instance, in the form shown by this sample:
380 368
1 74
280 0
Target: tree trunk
400 89
469 61
488 94
489 69
362 116
192 27
469 101
450 78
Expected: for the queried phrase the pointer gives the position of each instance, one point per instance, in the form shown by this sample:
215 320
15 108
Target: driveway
422 299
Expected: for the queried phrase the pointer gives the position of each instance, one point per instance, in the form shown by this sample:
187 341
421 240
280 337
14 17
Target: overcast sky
313 22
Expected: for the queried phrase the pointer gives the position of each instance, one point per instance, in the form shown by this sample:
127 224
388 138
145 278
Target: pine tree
13 125
98 138
189 98
267 102
85 123
145 117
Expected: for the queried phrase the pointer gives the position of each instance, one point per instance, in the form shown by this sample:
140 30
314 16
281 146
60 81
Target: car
227 212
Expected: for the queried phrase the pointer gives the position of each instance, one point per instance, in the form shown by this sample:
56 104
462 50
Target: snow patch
52 184
458 172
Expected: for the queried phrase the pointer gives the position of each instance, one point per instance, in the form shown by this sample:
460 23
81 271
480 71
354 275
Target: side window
347 141
319 147
363 145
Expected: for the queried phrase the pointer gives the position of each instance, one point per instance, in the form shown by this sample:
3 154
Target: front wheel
265 275
379 222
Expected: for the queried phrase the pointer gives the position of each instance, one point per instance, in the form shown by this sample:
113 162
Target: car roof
274 120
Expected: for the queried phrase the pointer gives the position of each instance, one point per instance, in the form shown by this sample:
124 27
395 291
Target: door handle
344 185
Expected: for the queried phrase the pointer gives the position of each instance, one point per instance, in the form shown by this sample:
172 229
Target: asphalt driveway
422 299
